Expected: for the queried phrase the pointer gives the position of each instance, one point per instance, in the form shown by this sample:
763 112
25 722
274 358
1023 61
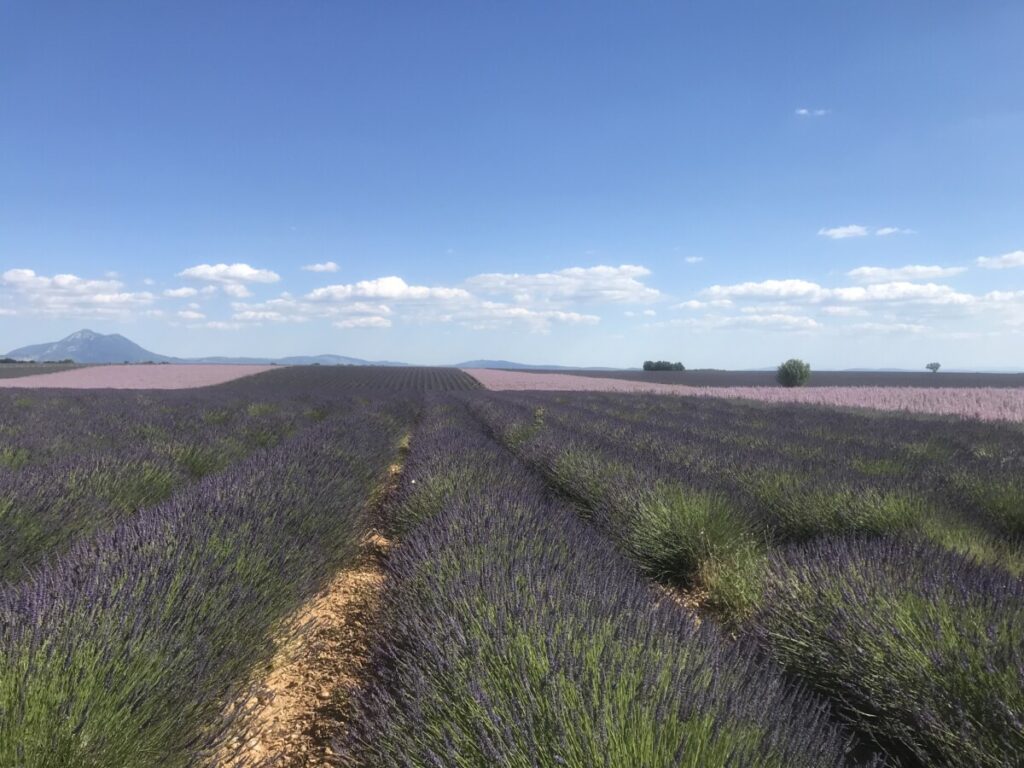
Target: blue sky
722 183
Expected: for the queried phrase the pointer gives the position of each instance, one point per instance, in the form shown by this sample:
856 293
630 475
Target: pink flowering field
985 403
136 377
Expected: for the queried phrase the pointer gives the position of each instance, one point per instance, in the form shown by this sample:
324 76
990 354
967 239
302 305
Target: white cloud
191 314
70 295
693 259
601 283
782 321
694 304
229 273
889 327
912 272
772 322
327 266
148 281
770 309
236 290
287 309
391 288
180 293
1006 261
231 278
219 325
883 231
778 289
372 321
842 233
257 316
808 112
844 311
1003 296
804 290
490 314
926 293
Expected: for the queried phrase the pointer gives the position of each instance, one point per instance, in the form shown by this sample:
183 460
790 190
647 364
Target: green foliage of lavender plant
999 501
674 531
81 462
797 509
515 635
123 651
925 648
734 584
13 458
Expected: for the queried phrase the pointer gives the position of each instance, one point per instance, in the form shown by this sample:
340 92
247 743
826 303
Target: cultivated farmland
563 578
977 402
135 377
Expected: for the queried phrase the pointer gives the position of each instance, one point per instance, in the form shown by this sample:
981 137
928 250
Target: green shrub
797 510
922 646
793 373
997 501
980 545
674 530
201 460
14 458
734 584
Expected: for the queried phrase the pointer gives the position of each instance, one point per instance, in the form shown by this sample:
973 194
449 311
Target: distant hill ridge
87 346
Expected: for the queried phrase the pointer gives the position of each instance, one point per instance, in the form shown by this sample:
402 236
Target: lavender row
75 462
513 634
124 650
925 645
794 473
921 647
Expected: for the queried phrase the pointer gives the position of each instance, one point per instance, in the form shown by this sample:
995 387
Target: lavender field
567 578
989 403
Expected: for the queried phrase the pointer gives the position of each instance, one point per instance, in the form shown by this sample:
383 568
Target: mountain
87 346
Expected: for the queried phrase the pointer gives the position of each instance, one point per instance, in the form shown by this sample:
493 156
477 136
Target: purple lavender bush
513 633
123 650
923 647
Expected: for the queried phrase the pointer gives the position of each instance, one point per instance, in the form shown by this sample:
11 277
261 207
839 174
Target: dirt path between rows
305 697
304 700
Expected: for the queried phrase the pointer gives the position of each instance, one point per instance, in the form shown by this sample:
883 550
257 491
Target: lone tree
793 373
933 367
662 365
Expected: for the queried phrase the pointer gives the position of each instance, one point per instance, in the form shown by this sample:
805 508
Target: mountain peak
85 333
87 346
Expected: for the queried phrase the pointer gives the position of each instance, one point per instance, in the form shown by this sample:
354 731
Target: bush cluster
663 365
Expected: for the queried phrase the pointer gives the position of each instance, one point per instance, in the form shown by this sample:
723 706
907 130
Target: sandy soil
985 403
136 377
303 702
305 696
